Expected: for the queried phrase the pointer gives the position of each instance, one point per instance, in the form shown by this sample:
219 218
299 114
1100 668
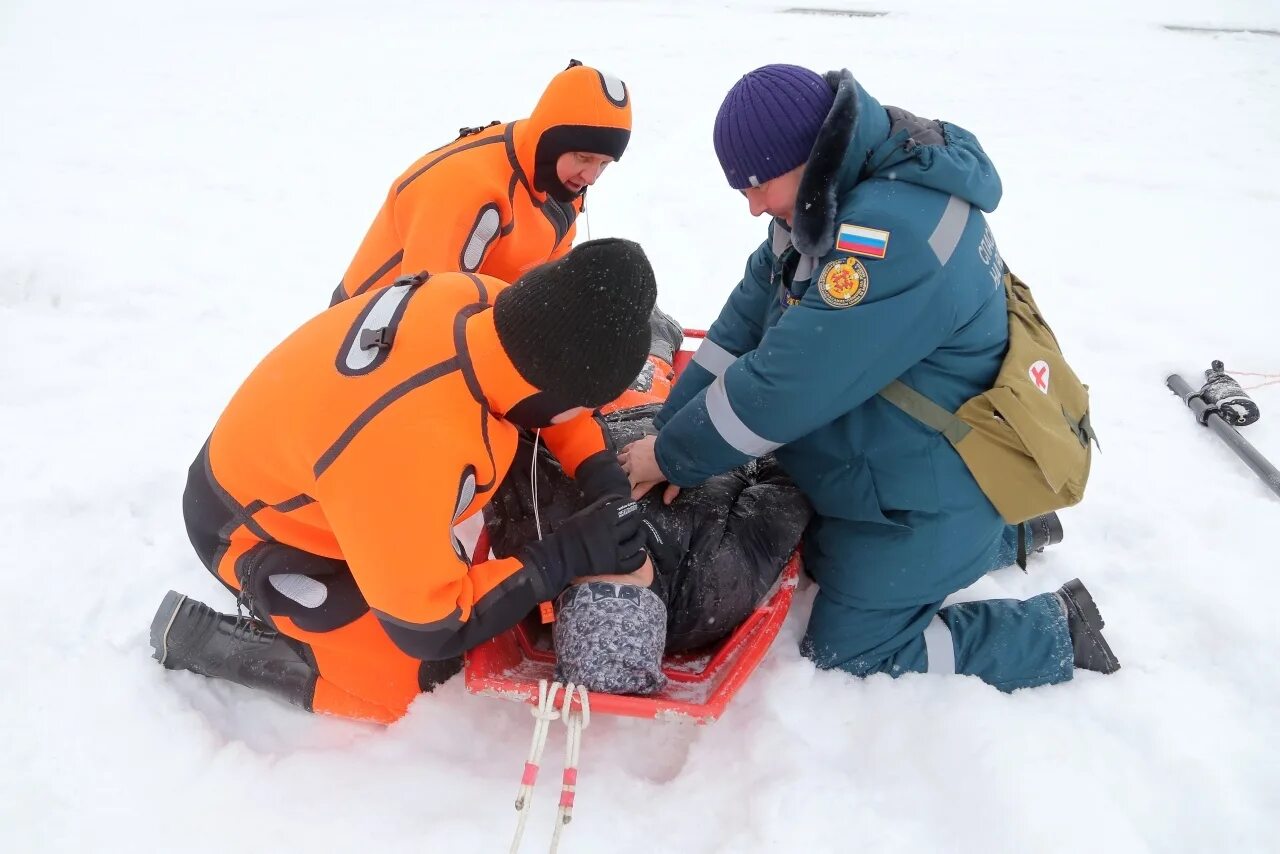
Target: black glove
593 541
600 476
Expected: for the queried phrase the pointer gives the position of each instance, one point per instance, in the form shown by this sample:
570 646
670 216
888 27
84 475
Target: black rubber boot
1084 620
1037 533
189 635
1046 530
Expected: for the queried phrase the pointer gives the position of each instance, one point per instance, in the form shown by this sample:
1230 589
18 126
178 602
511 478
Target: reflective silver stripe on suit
940 647
303 589
946 235
613 86
379 316
486 227
466 493
713 357
730 426
467 534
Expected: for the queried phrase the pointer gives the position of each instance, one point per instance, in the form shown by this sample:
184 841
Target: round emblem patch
843 283
1039 373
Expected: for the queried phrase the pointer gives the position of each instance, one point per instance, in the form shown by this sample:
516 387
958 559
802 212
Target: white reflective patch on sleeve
303 589
467 533
940 647
713 357
946 235
486 228
466 493
379 316
730 426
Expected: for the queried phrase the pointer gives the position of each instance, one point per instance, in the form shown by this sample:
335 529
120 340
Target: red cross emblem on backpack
1039 373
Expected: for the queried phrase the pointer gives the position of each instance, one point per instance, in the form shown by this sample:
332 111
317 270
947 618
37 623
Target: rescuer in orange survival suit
327 495
500 199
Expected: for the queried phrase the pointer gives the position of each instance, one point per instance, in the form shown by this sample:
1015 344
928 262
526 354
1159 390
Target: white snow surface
182 184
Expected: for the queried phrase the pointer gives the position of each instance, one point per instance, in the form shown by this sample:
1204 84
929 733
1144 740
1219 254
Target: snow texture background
182 184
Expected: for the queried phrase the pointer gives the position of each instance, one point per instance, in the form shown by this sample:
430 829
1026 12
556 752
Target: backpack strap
925 411
1083 429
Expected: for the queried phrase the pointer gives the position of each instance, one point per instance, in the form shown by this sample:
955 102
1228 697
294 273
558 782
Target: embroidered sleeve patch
843 283
859 240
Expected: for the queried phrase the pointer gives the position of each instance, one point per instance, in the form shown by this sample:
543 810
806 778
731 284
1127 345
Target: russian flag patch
858 240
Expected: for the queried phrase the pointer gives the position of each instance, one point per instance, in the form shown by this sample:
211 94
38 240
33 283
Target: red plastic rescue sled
699 685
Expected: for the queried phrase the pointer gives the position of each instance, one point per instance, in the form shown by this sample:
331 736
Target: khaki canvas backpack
1026 439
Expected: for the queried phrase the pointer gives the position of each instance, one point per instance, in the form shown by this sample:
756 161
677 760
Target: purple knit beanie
769 122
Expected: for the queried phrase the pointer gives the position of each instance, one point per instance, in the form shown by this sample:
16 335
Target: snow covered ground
181 184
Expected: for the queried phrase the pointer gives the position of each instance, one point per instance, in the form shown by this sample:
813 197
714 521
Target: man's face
578 170
776 197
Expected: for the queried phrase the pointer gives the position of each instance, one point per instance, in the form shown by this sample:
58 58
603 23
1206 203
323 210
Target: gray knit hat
610 637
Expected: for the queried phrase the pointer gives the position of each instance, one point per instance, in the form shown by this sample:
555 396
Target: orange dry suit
490 201
328 493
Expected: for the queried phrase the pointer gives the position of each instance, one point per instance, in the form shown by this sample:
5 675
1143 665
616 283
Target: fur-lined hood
860 140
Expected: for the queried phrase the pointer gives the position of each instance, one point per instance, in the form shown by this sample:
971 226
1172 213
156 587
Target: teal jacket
890 271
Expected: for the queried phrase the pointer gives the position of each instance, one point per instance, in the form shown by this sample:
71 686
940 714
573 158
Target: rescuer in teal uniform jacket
879 265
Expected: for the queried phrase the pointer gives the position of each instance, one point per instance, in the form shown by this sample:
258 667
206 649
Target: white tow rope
533 482
576 719
544 713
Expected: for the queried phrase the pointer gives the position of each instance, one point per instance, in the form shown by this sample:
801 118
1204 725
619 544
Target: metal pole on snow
1210 416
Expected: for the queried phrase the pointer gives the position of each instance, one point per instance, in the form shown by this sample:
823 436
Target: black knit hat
578 328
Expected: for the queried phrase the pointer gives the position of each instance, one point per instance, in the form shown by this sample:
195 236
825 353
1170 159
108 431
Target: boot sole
1081 601
162 622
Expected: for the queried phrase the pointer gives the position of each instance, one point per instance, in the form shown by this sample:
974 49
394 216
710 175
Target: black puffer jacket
717 549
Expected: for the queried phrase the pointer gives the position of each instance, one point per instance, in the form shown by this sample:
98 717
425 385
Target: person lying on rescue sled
327 494
716 551
499 199
878 266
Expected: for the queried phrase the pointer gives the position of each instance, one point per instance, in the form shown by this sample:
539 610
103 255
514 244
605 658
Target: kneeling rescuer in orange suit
502 199
327 495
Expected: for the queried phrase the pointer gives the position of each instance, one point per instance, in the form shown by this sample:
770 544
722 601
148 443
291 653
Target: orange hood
582 109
